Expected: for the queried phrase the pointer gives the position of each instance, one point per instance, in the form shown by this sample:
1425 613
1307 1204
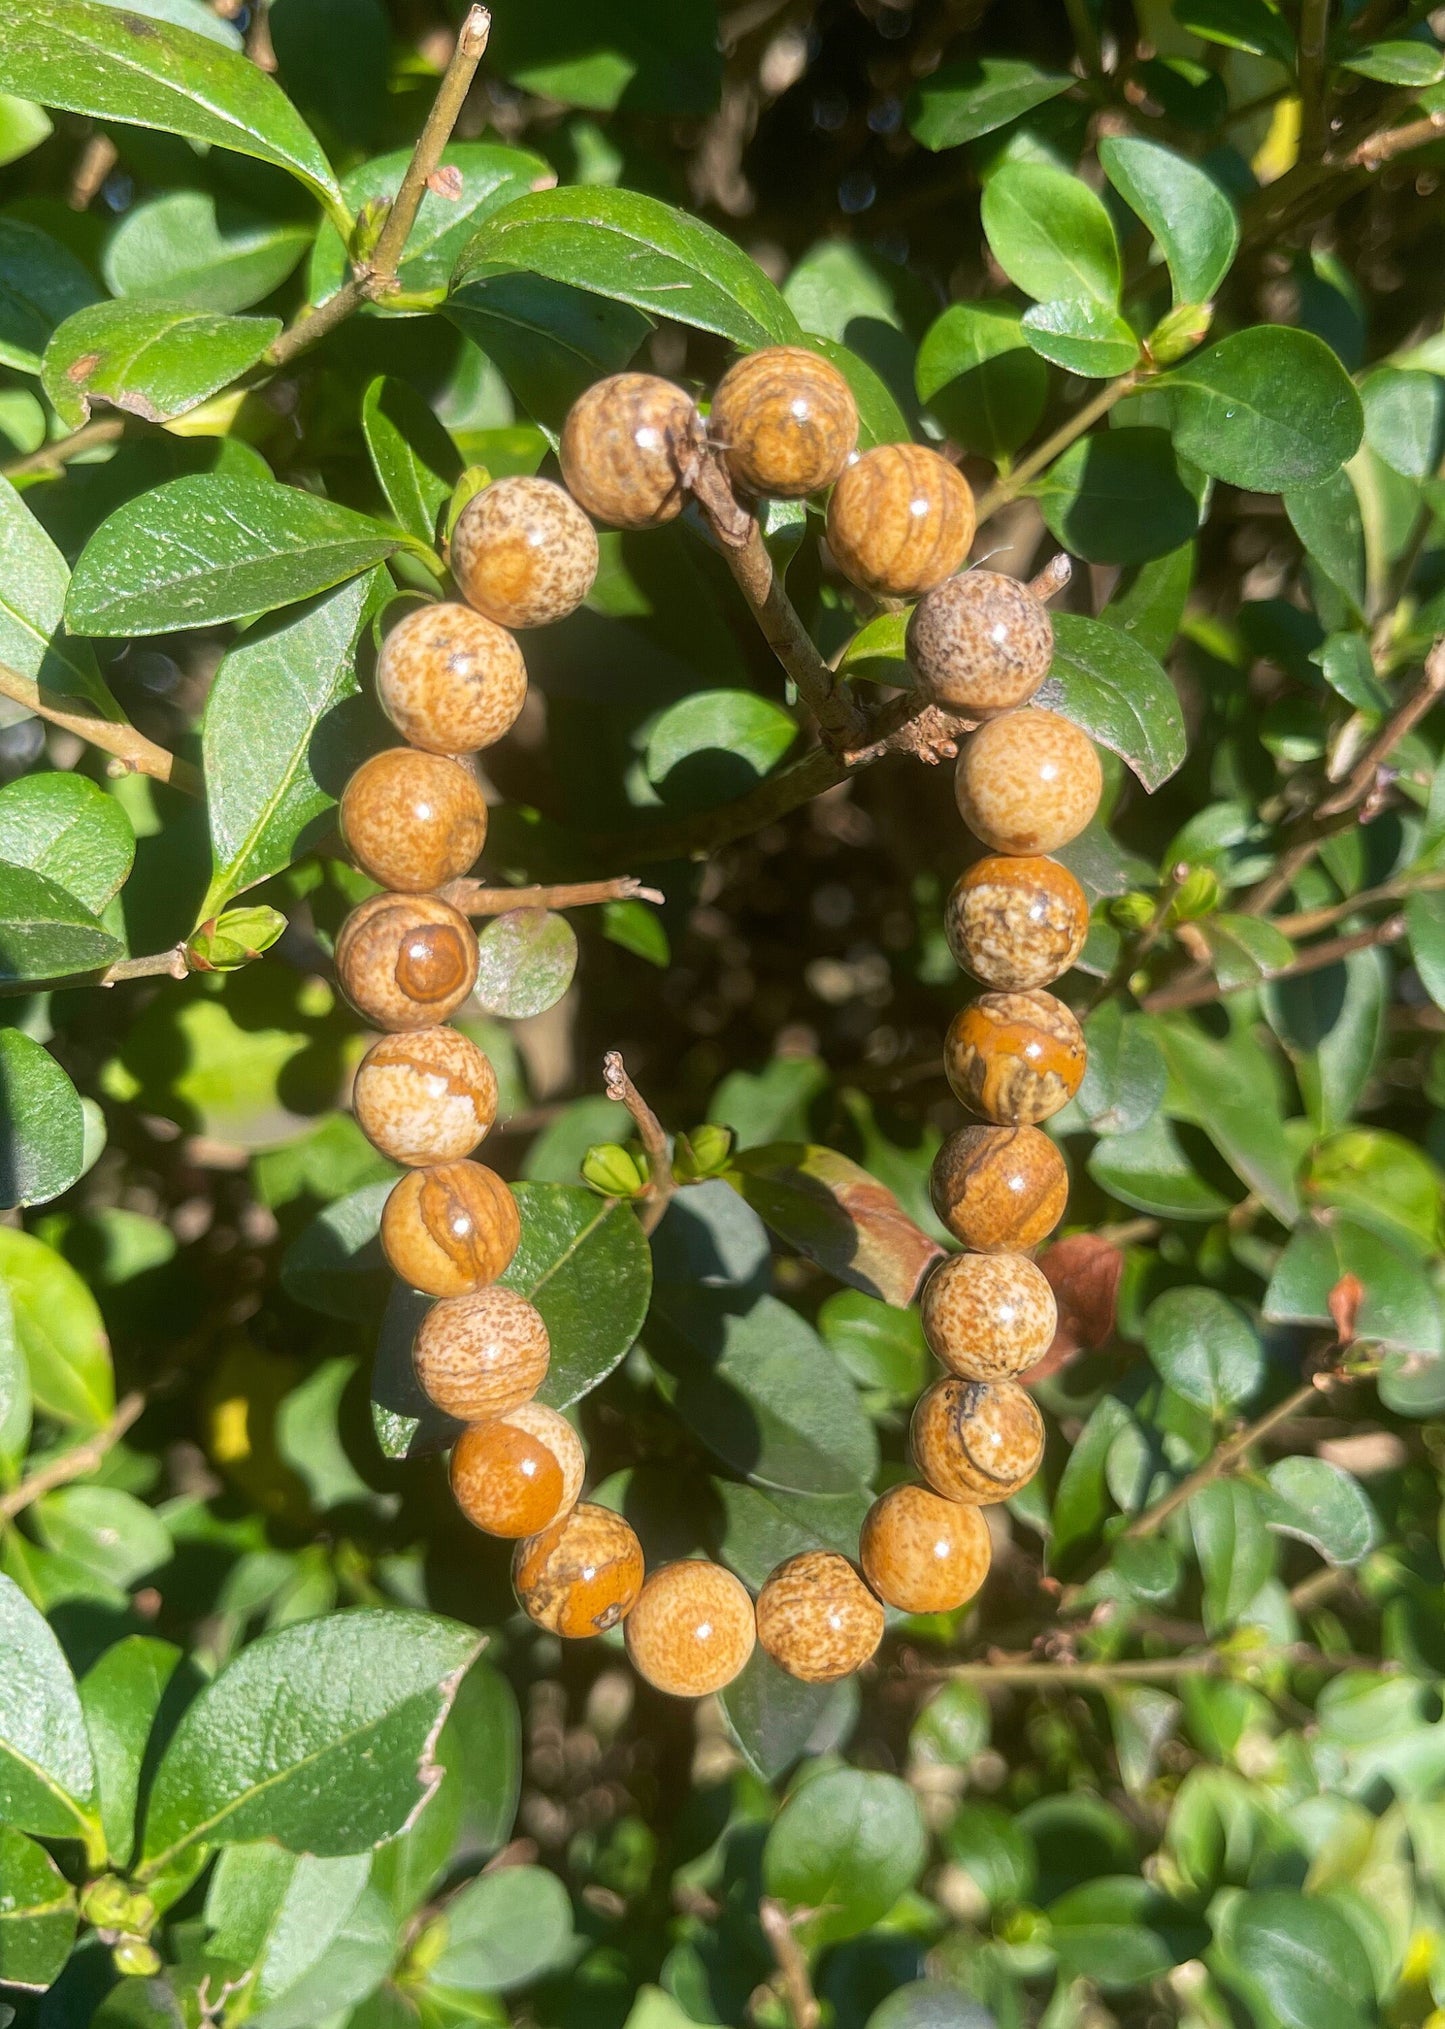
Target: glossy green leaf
1051 235
33 641
526 961
155 360
1332 1023
845 1847
1149 602
42 1129
1398 60
1118 497
41 284
548 340
585 1264
1268 408
59 1330
834 1212
504 1931
964 100
106 1532
1382 1180
1205 1348
1083 336
978 374
23 126
416 463
880 1344
67 828
1233 1546
773 1716
1405 420
192 248
38 1919
1124 1078
1253 25
1322 1505
1295 1960
45 933
1188 214
1399 1308
651 57
1105 682
47 1776
123 1696
1229 1091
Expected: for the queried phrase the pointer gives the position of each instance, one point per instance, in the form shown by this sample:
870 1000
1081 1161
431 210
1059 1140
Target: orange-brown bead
518 1474
1014 1057
582 1575
413 821
691 1630
901 520
629 446
988 1316
817 1619
981 643
450 1229
1028 782
523 552
977 1441
921 1553
406 961
1016 923
427 1095
999 1189
785 421
450 680
482 1354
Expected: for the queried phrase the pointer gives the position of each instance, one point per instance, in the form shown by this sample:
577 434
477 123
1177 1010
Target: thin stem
1306 921
1152 1670
473 899
1230 1454
1192 992
1086 36
798 1996
51 457
1137 948
1384 147
314 325
133 749
73 1464
172 964
1314 28
1028 468
660 1185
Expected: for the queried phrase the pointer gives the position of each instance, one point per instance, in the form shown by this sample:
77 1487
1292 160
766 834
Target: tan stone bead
628 447
1014 1057
999 1189
988 1317
977 1441
1027 782
691 1630
582 1575
817 1619
981 643
518 1474
427 1095
923 1554
1016 923
406 961
481 1355
450 680
413 821
523 552
901 520
785 421
450 1229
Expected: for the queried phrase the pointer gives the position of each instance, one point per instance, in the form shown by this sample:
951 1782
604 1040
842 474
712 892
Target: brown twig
660 1183
1192 992
51 457
73 1464
1305 922
474 899
788 1956
1084 418
172 964
113 736
1314 28
1384 147
1230 1454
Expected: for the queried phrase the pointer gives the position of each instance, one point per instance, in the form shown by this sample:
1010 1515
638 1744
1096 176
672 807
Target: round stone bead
999 1189
922 1554
1014 1057
817 1619
413 821
523 552
428 1095
406 961
580 1576
901 520
977 1441
628 446
481 1355
520 1473
1027 782
691 1630
451 1229
988 1317
1016 923
450 680
981 643
785 421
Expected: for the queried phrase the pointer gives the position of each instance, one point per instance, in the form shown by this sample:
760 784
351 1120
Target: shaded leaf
1322 1505
41 284
38 1918
33 641
773 1716
1119 497
978 374
548 340
42 1129
416 463
845 1847
45 933
963 100
192 248
1205 1348
838 1215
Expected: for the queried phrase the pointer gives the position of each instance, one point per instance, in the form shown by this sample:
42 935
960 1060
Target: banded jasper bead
481 1355
1016 923
628 446
427 1095
999 1189
518 1474
450 1229
988 1317
923 1554
582 1575
450 680
1015 1058
901 520
691 1630
977 1441
817 1619
406 961
786 422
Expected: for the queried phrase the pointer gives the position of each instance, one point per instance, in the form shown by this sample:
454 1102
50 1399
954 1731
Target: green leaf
281 1915
113 65
1228 1089
1322 1505
1120 1931
1184 208
879 1345
45 933
1332 1023
1243 950
715 745
653 56
416 463
1118 497
1267 409
192 248
155 360
67 828
1233 1547
1082 336
1345 662
548 340
526 960
38 1919
880 420
41 284
32 604
122 1696
16 1407
1051 235
977 373
1425 924
773 1716
58 1326
764 1526
504 1931
1380 1179
1327 520
845 1846
1149 1170
639 251
104 1532
1405 420
284 716
1149 603
42 1129
335 1265
211 548
1205 1348
1124 1078
1105 682
47 1777
1398 61
1399 1308
357 1958
1295 1960
23 127
586 1265
964 100
316 1736
831 1210
1253 25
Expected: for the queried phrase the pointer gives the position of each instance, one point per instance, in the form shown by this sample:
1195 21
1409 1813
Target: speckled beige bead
691 1630
517 1474
923 1554
817 1619
1016 923
628 447
981 643
977 1441
406 961
450 1229
450 680
1015 1057
901 520
785 421
988 1317
428 1095
523 552
999 1189
1028 782
582 1575
413 821
482 1354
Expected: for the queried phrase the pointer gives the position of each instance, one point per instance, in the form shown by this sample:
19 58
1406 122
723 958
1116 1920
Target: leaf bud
703 1153
1134 911
229 941
367 231
106 1902
612 1170
1177 333
1199 895
133 1958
